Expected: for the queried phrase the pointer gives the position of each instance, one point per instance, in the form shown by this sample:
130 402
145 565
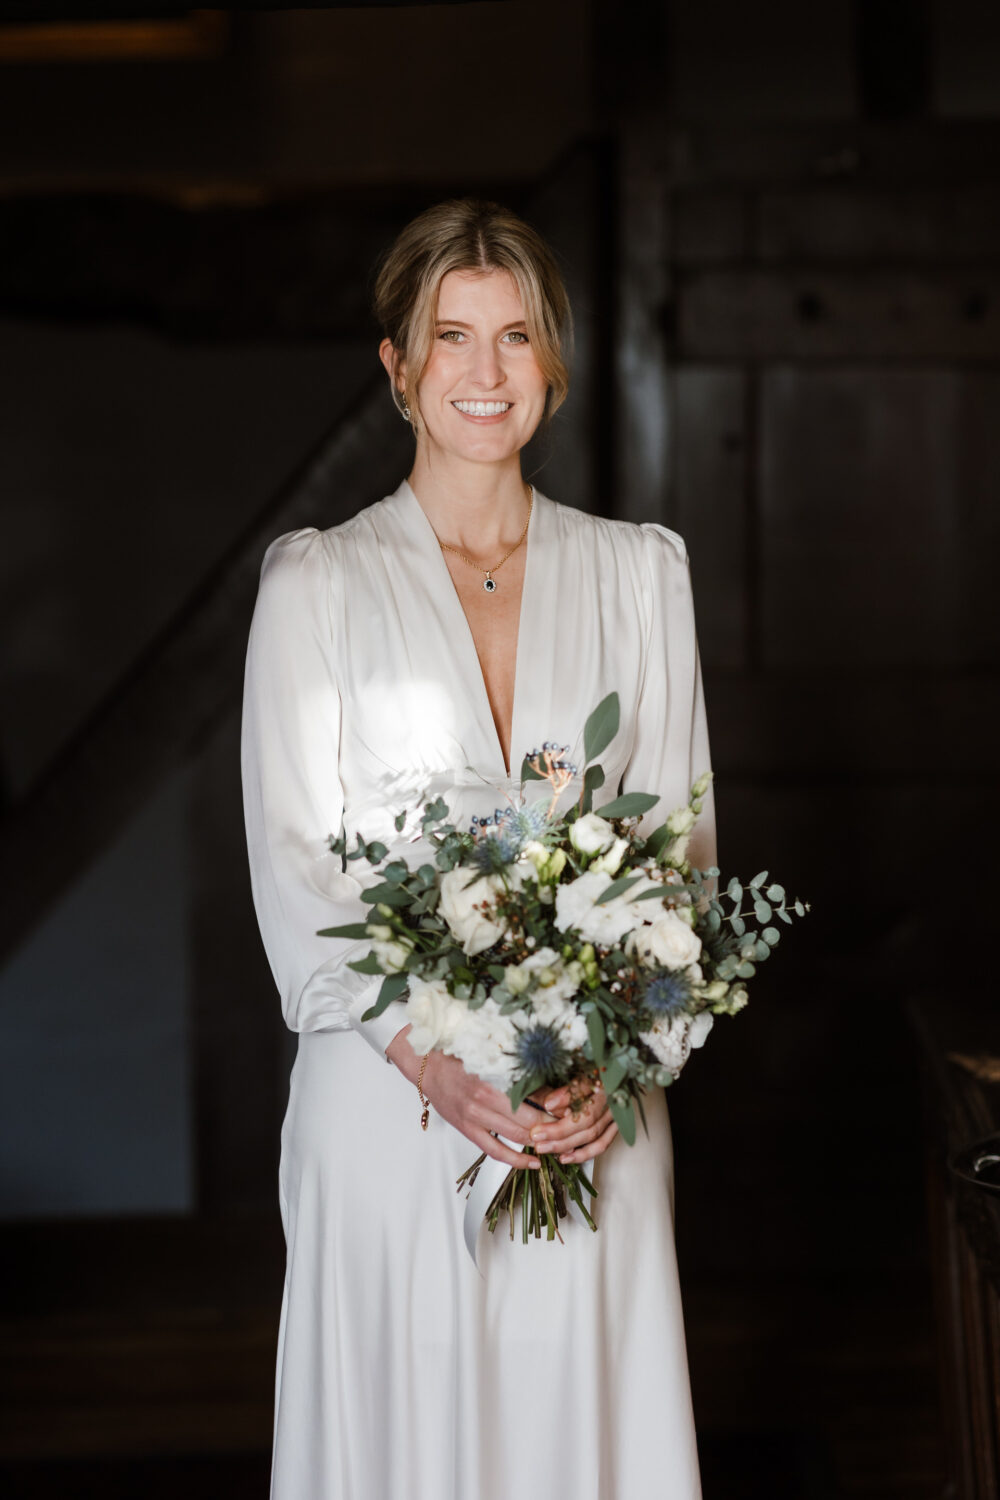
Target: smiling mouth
482 408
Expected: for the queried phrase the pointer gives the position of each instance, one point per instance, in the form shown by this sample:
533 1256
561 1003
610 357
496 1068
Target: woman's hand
472 1106
579 1137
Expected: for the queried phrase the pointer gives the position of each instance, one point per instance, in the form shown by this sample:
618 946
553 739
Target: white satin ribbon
489 1181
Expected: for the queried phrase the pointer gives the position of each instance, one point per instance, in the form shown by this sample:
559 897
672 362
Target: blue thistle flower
502 837
539 1050
667 996
494 851
528 822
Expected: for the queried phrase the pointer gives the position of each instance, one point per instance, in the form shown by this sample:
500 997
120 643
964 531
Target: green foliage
631 805
600 728
593 779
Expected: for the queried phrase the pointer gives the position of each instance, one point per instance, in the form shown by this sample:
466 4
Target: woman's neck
479 508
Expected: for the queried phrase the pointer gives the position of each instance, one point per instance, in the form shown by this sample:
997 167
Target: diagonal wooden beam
185 680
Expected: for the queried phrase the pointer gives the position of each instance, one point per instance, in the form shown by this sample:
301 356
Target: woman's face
482 393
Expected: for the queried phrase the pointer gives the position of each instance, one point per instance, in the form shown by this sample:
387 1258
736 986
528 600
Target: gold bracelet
425 1102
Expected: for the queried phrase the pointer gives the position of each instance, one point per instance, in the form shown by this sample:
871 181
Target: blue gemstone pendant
490 584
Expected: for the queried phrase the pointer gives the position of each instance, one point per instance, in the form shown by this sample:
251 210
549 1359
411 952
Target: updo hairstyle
469 234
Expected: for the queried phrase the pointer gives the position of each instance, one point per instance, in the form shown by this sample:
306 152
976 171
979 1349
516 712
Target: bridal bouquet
546 947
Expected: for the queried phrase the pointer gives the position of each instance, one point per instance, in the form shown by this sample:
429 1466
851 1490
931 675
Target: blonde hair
470 234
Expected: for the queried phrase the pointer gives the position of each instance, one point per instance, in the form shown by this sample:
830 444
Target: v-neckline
468 639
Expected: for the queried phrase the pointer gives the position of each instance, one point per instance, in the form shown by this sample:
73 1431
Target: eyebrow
457 323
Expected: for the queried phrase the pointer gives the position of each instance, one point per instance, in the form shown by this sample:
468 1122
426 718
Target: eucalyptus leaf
775 893
349 930
389 895
528 772
771 935
392 987
623 883
600 728
762 910
631 805
595 1030
614 1073
399 820
734 891
624 1117
738 925
758 880
367 965
593 778
745 970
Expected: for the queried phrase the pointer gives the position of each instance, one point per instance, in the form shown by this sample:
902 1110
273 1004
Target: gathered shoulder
643 540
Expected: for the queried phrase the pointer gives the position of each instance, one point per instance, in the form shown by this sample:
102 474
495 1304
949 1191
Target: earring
406 409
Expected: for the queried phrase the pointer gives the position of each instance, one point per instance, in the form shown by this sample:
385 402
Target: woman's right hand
472 1106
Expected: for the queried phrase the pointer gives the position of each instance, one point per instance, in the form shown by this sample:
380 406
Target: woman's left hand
579 1137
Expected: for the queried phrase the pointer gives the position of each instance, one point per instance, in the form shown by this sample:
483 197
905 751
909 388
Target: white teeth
481 408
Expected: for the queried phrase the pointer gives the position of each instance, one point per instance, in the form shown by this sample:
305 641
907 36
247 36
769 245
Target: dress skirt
405 1374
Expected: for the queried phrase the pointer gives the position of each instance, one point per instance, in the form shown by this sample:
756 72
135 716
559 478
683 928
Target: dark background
780 224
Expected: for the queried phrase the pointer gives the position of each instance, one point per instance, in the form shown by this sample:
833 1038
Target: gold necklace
489 583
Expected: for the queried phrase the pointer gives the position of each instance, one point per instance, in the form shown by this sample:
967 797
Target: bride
420 649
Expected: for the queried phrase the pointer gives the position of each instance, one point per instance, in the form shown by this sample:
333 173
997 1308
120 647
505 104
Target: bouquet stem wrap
490 1178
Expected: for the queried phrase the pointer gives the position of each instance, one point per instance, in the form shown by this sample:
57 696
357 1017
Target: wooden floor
137 1361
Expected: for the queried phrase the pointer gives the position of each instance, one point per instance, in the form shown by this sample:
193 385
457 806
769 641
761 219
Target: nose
488 371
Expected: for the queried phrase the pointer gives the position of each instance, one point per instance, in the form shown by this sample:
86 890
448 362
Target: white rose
609 861
667 943
590 834
470 927
606 924
434 1014
701 1025
671 1041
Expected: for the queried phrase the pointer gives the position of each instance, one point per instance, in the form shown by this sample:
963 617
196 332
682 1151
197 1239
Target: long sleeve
293 798
671 748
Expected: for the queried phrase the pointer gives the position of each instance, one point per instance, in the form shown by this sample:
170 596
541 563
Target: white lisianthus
460 902
392 955
484 1044
667 943
609 861
591 834
436 1017
606 924
702 785
536 852
681 821
679 848
557 979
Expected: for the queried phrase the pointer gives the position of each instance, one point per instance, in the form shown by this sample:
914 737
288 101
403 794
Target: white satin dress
403 1372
